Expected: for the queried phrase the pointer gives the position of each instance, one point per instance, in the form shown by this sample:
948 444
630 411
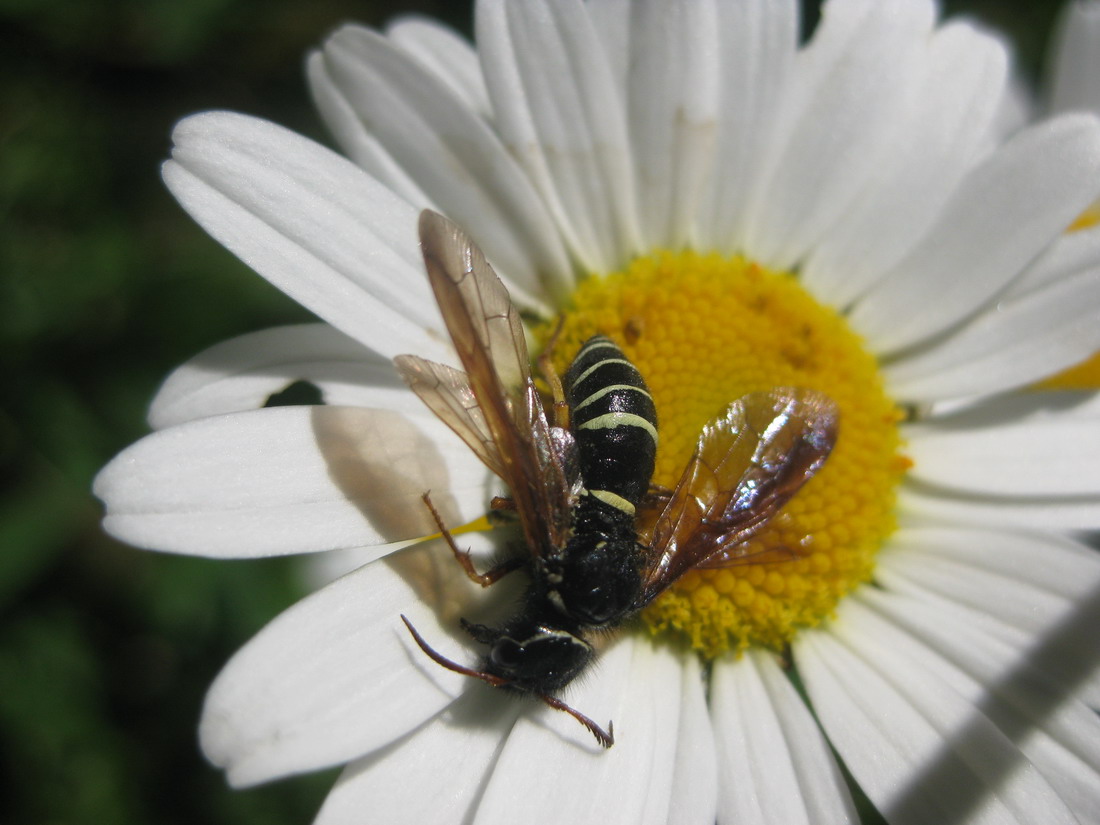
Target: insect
577 485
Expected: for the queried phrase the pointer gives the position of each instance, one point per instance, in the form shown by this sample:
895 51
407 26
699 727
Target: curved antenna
440 659
605 738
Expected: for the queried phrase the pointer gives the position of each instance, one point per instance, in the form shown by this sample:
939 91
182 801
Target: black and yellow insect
580 487
595 579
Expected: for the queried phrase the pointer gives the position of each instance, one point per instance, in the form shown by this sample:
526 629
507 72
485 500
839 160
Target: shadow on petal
384 463
1067 655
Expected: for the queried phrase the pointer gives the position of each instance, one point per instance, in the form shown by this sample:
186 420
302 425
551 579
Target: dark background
105 285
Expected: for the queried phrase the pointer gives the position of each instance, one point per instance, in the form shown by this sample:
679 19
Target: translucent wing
448 394
747 465
486 329
494 406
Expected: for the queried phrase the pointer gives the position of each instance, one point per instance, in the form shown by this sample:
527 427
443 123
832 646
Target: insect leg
606 738
557 391
485 579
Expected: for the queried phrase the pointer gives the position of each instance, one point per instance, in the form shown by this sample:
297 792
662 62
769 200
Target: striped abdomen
614 423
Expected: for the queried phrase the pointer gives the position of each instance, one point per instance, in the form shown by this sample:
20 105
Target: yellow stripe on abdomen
611 420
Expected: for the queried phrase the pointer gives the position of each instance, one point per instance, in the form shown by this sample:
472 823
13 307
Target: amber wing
747 465
493 406
447 392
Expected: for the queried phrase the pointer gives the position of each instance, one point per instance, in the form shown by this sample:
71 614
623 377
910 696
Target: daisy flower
738 211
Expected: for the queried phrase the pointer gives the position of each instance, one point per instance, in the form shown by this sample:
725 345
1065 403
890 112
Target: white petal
1051 513
435 774
312 223
561 114
1018 106
758 41
337 675
849 87
639 686
947 121
695 769
320 569
611 19
353 138
242 373
1076 58
1004 213
1033 444
921 751
448 55
1014 716
452 154
1066 655
1057 732
672 90
1013 587
1013 343
289 480
1070 254
769 741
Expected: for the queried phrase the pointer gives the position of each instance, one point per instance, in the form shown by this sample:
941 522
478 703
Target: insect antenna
440 659
606 738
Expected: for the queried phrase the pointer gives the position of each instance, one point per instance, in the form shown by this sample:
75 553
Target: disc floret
704 330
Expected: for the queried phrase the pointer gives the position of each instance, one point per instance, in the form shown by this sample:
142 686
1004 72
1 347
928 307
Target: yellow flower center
704 330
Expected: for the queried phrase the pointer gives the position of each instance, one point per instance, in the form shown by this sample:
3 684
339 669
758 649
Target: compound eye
506 654
597 614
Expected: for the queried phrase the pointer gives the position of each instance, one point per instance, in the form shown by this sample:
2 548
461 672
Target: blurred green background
105 285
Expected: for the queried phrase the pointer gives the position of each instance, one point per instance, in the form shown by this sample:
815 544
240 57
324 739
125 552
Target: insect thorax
596 579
